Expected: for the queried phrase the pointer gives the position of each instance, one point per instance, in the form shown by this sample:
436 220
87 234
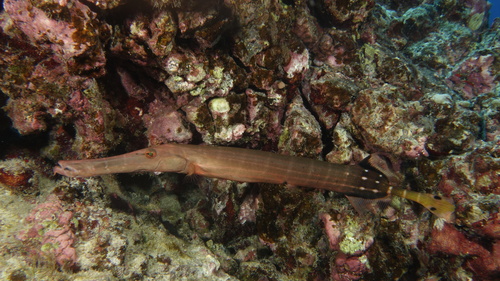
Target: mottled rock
329 94
416 81
165 125
301 132
389 124
334 12
474 77
69 29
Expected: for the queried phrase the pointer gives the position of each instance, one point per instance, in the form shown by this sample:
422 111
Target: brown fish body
247 165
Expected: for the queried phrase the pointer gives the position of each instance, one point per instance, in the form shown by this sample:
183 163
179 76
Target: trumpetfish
246 165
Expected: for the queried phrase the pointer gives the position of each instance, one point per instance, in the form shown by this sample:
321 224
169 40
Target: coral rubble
415 81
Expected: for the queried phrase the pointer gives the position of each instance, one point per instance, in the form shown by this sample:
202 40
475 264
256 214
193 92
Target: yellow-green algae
352 242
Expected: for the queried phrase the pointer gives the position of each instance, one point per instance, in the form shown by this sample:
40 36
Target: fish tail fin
439 206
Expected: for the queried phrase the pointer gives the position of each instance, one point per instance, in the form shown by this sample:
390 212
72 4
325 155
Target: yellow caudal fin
439 206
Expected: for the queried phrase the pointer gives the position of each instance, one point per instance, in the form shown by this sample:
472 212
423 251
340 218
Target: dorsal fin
382 165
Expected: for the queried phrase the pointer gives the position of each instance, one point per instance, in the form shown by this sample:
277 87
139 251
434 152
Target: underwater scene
247 140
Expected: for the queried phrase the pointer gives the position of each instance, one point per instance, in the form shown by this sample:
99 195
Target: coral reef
415 81
50 234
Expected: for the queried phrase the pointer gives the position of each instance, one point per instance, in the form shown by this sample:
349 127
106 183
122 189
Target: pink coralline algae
332 232
298 64
77 34
416 149
65 41
34 122
93 117
165 125
474 77
248 209
50 233
351 263
485 263
349 268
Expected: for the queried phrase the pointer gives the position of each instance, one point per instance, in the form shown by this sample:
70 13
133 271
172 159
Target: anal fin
364 206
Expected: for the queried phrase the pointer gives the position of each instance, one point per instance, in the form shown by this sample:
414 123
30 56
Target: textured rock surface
415 81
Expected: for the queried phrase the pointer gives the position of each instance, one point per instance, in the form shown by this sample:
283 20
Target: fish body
246 165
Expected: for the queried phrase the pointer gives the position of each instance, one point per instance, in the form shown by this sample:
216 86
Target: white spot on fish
389 190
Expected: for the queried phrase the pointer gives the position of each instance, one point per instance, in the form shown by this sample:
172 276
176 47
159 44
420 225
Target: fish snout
65 169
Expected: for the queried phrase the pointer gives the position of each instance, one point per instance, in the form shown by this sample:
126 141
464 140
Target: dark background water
495 10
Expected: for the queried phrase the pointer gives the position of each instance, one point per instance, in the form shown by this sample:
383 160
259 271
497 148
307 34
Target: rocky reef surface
416 81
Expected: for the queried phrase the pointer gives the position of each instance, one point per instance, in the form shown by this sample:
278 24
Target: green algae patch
351 242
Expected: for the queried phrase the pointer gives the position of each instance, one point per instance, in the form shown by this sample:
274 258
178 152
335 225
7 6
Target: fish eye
150 153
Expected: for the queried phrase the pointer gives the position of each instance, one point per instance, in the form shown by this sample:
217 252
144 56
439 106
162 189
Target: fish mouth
65 169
